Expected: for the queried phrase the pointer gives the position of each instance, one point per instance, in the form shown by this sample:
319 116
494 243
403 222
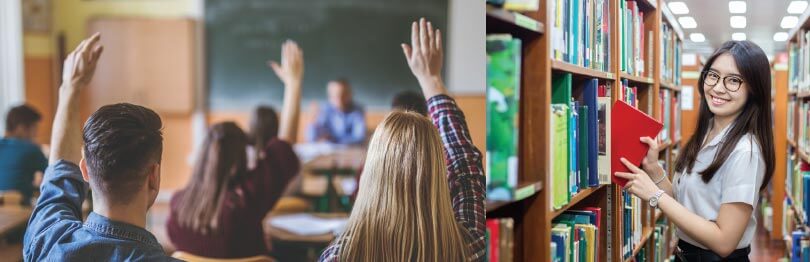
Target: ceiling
712 16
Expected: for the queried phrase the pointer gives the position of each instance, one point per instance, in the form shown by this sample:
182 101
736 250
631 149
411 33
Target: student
341 121
120 161
263 128
412 205
20 158
410 101
219 213
724 165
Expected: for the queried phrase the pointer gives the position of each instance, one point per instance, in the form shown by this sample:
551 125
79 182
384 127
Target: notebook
629 125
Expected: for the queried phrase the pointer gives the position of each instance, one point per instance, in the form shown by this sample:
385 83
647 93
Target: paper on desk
308 225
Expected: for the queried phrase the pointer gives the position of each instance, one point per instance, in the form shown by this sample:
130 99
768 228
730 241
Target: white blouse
736 181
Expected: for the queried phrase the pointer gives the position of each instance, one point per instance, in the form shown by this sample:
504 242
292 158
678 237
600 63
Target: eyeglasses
731 83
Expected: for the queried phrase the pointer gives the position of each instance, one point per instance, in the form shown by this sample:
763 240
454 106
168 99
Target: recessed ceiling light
736 7
737 21
678 8
738 36
780 36
687 22
789 22
697 37
797 7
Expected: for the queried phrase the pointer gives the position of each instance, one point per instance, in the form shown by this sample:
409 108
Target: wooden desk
286 246
13 217
278 234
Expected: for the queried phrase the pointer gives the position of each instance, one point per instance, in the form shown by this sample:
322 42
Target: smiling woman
724 165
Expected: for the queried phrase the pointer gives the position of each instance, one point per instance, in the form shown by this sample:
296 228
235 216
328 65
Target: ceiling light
736 7
678 8
687 22
789 22
780 36
737 21
797 7
738 36
697 37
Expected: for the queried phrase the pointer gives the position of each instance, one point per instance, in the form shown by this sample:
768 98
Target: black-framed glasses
731 83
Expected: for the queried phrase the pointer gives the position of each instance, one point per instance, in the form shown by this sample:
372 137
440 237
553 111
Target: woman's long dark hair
755 118
222 160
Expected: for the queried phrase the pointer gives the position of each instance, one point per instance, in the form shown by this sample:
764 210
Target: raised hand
291 69
80 65
425 57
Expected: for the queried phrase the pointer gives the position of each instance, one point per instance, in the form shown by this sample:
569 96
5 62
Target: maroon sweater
241 232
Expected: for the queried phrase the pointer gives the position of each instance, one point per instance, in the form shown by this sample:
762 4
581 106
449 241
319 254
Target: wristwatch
654 199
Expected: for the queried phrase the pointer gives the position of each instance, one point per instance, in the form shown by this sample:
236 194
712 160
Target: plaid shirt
465 176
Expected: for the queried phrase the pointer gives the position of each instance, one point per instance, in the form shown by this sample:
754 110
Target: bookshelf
531 208
792 104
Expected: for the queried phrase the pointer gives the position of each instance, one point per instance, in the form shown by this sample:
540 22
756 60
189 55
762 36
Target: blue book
590 97
573 137
806 203
796 249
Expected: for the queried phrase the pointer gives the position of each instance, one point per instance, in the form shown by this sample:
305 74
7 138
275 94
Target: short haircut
410 101
22 115
343 81
121 142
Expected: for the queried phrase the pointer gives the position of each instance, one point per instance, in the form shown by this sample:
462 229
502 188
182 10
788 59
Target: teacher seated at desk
341 121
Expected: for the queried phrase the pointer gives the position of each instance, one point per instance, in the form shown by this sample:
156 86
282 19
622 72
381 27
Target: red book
629 125
494 237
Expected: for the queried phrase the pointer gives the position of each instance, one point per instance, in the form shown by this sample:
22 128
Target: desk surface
13 217
274 233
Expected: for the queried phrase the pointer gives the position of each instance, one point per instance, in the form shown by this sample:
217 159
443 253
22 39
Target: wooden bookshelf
646 234
508 21
670 86
533 214
522 192
637 79
580 71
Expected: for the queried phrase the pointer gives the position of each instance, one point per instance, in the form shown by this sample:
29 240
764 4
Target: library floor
763 249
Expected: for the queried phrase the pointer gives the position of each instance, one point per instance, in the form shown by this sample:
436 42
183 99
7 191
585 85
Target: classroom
221 130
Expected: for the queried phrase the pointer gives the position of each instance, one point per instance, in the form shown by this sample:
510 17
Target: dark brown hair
121 143
410 101
22 115
755 117
221 162
263 127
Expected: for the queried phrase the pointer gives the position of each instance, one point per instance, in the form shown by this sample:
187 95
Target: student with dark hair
341 120
120 163
219 213
410 101
20 157
724 165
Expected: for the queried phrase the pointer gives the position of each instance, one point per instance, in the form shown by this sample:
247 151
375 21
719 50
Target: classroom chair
193 258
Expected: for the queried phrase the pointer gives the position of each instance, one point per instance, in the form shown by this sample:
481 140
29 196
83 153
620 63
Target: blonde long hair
403 210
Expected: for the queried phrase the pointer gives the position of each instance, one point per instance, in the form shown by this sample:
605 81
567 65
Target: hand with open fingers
80 65
425 56
291 69
650 163
638 182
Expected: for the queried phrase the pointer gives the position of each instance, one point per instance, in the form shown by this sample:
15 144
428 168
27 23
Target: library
574 85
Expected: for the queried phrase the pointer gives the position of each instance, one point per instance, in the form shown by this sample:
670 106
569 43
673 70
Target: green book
559 153
503 105
561 88
584 181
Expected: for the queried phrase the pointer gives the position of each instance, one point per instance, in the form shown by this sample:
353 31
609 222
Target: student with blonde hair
421 194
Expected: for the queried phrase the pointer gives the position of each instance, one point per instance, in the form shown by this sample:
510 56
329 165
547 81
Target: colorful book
629 125
559 152
503 107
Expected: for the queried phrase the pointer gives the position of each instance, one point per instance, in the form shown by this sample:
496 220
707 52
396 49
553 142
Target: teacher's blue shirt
338 127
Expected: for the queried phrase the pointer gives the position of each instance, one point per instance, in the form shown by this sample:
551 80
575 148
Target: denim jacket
56 232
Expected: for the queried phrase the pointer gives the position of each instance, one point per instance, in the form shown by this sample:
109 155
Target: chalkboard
356 39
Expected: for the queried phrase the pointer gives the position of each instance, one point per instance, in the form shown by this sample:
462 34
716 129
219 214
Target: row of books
670 116
803 116
791 119
503 106
579 146
797 184
580 32
575 236
660 251
517 5
500 239
799 62
671 50
632 223
635 40
628 93
799 243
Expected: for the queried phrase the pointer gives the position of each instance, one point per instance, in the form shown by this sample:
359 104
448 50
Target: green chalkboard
356 39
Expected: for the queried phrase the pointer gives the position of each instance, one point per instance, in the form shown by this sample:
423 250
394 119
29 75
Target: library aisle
572 84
